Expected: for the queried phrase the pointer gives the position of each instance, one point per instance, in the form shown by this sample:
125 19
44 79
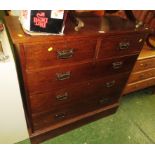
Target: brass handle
63 76
142 76
65 54
62 97
135 86
124 45
104 100
117 65
60 116
110 84
150 74
144 64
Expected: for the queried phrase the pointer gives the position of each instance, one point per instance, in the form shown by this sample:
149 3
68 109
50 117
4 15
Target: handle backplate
63 76
62 97
65 54
124 45
117 65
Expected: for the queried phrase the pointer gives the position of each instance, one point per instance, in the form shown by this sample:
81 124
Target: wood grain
62 94
143 73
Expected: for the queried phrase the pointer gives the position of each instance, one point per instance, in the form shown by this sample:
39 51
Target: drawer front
59 53
47 80
139 85
119 46
138 76
115 66
76 93
57 78
144 64
65 114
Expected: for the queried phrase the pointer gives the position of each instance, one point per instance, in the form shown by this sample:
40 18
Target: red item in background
1 27
43 21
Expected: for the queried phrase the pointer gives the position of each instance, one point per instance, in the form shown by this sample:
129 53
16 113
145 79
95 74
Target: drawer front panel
139 85
119 46
115 66
60 53
144 64
59 77
47 80
138 76
64 114
54 100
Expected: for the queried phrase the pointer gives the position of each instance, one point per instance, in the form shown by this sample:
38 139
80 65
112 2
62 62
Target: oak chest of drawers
143 73
70 80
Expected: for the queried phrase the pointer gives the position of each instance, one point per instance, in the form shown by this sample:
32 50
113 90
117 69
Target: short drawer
142 75
75 94
58 53
63 115
144 64
115 66
112 46
59 77
139 85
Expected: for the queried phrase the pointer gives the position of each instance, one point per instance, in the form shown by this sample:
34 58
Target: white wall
12 120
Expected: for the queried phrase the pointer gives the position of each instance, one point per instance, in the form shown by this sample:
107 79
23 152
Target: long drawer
59 77
64 114
144 64
142 75
105 88
59 53
139 85
120 45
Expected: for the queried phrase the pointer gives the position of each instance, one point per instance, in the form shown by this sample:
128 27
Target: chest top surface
94 27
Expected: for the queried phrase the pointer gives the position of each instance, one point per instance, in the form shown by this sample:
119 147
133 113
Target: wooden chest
70 80
143 73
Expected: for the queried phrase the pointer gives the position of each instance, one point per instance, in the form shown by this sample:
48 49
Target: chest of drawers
143 73
70 80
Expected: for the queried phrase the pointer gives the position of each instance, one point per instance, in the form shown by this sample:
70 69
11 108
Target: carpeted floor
133 123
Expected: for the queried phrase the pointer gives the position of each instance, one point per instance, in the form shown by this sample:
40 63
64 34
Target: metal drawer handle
144 64
60 116
142 76
117 65
63 76
62 97
124 45
65 54
104 100
150 74
110 84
